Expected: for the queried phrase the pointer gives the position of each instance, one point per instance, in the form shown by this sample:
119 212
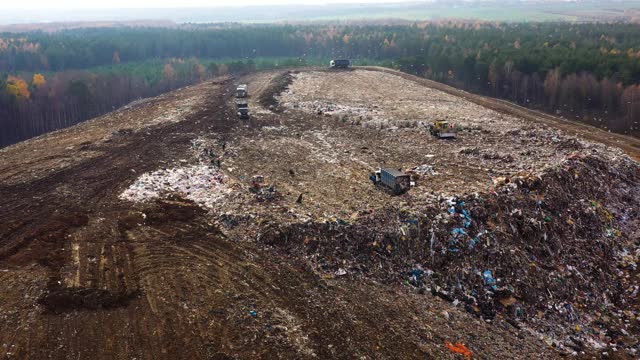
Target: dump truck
243 112
242 91
443 130
242 103
242 106
394 179
340 64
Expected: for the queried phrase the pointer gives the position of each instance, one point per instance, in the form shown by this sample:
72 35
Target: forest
588 72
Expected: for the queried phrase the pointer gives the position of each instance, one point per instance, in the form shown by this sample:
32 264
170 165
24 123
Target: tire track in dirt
92 263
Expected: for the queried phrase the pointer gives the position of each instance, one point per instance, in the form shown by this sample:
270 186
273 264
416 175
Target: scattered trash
508 301
488 278
423 170
460 348
262 191
416 277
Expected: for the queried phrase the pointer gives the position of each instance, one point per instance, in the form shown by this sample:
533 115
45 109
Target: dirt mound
268 97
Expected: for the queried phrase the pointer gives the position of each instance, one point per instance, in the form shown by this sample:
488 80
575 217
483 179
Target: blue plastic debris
467 216
488 278
474 242
253 313
453 242
416 277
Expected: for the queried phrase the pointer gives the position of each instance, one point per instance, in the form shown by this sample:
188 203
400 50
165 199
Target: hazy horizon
214 11
155 4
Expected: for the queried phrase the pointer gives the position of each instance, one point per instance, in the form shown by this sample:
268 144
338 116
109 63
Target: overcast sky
84 4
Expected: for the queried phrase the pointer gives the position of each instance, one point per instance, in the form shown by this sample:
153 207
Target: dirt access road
88 275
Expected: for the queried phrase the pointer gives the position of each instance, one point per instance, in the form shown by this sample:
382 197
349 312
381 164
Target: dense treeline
66 98
39 103
588 72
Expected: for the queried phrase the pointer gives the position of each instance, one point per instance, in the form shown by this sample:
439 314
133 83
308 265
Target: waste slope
555 252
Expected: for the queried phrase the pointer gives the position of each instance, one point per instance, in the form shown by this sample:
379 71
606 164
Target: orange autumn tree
18 87
39 80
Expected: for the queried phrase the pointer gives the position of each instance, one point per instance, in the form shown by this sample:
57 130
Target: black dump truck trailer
242 108
394 179
243 113
340 64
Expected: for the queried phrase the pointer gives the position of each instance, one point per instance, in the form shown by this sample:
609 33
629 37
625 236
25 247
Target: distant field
558 11
427 10
434 12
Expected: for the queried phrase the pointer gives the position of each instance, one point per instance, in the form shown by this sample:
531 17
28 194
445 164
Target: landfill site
321 214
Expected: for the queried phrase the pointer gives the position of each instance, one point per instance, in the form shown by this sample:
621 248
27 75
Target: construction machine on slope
442 129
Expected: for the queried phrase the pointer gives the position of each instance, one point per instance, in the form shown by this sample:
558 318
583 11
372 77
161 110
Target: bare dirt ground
141 234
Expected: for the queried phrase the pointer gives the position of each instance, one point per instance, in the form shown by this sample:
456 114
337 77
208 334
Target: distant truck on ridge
242 91
340 64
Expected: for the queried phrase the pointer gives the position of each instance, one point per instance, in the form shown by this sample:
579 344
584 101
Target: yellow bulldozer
442 129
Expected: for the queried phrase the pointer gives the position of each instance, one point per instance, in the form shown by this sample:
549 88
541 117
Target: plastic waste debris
423 170
416 277
460 348
489 279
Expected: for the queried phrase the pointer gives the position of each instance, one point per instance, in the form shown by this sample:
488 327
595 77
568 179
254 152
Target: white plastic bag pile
424 170
200 183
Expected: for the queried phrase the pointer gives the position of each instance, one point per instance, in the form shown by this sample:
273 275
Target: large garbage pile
555 253
203 184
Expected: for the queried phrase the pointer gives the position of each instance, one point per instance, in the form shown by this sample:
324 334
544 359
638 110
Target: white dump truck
242 91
